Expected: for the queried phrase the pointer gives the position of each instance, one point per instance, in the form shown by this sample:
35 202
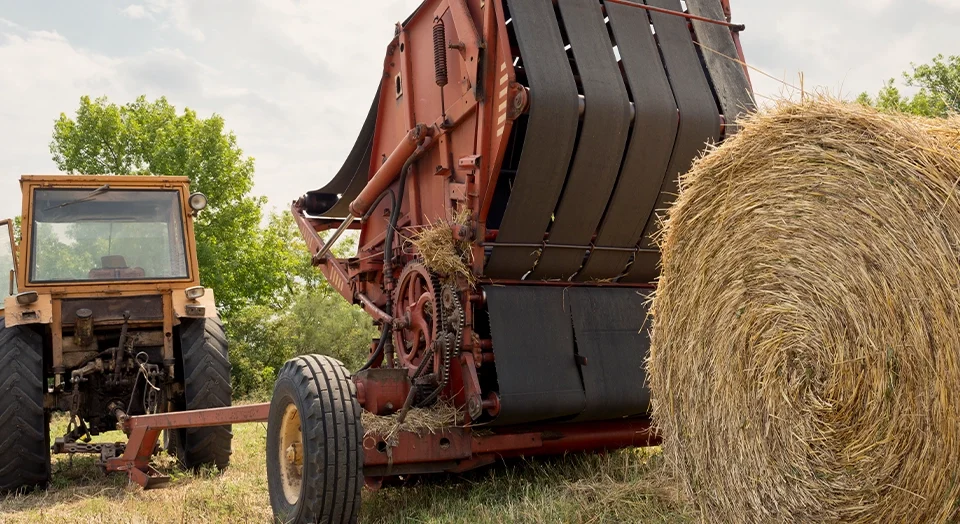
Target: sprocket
417 302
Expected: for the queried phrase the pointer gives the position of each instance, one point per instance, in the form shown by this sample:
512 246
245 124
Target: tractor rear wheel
314 443
206 384
24 436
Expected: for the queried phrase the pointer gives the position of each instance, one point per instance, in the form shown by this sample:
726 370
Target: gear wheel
417 300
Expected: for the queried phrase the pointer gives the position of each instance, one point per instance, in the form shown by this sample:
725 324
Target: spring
440 53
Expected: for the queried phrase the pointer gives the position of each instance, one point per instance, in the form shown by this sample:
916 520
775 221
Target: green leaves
938 95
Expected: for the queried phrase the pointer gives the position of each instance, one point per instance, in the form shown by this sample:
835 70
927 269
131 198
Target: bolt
293 454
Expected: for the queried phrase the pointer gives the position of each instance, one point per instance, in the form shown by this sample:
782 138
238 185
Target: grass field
618 487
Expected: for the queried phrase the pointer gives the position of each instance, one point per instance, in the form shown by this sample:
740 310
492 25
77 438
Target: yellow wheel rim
291 454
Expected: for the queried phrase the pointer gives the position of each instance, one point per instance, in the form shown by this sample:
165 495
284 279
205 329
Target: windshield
107 234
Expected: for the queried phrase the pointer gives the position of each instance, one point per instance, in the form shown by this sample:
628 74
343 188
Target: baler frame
460 160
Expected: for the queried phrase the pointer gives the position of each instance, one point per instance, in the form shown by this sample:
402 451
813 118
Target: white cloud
947 4
177 14
43 75
135 11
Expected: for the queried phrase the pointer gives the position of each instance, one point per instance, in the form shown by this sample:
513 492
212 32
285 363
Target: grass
617 487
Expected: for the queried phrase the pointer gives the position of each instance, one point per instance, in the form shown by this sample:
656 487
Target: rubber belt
537 372
610 326
603 138
727 77
333 199
699 123
651 144
548 143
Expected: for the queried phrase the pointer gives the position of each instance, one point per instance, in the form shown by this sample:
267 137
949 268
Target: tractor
105 320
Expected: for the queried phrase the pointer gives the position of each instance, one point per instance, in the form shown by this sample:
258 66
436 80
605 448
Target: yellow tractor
106 319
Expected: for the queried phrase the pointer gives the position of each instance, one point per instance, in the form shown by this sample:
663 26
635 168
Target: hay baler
540 138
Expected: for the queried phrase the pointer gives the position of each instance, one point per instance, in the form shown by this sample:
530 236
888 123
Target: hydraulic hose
395 199
384 333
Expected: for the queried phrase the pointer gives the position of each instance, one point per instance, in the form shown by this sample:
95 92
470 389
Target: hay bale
805 360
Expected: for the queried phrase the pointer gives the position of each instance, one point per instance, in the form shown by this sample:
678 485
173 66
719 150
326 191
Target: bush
316 320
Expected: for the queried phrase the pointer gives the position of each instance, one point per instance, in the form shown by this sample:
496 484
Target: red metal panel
460 449
145 429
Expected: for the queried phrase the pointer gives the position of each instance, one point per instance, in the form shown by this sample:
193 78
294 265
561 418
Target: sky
294 79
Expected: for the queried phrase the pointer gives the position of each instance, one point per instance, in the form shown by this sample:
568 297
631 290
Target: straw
805 359
439 251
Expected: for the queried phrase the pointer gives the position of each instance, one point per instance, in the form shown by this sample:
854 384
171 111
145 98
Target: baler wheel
314 443
206 383
24 429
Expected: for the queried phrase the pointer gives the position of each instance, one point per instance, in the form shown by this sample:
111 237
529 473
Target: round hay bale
805 360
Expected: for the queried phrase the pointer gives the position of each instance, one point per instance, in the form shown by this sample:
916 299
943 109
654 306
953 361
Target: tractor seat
115 267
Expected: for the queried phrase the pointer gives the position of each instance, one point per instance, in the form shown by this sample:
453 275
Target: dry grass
620 487
806 338
442 254
418 420
81 492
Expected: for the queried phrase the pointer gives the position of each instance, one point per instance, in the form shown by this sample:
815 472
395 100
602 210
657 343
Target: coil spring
440 53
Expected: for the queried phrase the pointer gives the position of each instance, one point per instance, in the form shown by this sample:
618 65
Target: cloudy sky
293 79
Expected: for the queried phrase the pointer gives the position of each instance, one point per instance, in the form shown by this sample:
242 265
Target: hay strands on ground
421 421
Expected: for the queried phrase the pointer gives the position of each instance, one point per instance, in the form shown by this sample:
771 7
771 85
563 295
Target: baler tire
24 429
315 406
206 384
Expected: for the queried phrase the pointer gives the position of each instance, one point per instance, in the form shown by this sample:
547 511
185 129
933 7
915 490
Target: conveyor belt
699 123
603 137
549 142
610 325
728 78
569 353
333 199
651 144
533 343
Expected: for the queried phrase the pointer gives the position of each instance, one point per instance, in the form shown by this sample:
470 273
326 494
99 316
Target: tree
938 94
152 138
315 320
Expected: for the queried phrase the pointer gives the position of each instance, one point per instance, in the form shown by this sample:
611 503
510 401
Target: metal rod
568 246
734 27
333 239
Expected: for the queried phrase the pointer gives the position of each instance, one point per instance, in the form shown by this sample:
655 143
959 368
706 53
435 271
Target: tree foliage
316 320
938 93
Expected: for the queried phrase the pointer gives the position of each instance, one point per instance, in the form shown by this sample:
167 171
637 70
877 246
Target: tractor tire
206 384
24 432
314 443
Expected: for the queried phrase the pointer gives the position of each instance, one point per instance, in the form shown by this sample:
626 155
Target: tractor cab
107 303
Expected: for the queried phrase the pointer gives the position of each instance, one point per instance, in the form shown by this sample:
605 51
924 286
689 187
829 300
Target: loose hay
805 359
440 252
419 420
